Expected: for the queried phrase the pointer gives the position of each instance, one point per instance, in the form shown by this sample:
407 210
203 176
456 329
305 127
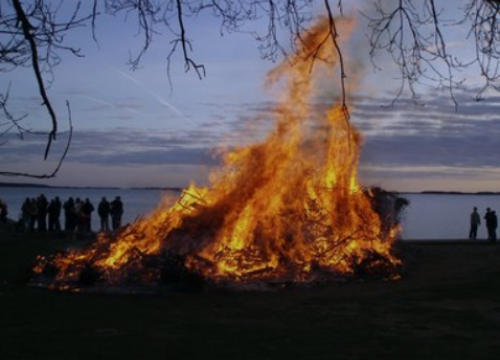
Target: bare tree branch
31 36
12 121
27 31
60 162
343 76
188 62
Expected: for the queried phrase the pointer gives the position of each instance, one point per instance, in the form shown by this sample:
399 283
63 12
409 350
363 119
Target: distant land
460 192
32 185
178 189
23 185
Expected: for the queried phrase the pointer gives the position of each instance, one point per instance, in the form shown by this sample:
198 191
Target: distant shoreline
431 192
42 186
179 189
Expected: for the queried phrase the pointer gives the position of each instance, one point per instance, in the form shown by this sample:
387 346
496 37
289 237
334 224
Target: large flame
287 208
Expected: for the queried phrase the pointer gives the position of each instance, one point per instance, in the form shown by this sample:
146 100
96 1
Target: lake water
136 202
439 216
429 216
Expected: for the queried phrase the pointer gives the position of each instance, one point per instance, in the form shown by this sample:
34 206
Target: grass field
447 306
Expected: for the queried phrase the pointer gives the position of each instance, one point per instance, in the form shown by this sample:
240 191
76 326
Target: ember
289 208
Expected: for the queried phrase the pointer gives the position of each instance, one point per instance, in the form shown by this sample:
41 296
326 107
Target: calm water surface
429 216
438 216
136 202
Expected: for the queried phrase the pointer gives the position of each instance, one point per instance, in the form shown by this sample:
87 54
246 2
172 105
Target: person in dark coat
494 225
54 211
80 218
116 212
475 221
103 210
25 211
52 215
3 211
491 224
33 210
87 210
58 209
69 215
42 207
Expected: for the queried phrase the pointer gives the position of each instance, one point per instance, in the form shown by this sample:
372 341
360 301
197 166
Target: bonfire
286 209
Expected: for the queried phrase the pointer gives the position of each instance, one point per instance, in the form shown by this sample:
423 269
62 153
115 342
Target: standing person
116 212
52 209
25 211
3 211
103 212
57 219
489 222
79 220
69 215
475 221
33 214
494 225
42 205
87 210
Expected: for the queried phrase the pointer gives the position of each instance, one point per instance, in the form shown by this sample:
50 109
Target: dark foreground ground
447 306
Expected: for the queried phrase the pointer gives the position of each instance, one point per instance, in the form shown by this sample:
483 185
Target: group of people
77 214
35 211
113 209
491 221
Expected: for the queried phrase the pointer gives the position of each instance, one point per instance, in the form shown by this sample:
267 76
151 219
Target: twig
61 160
27 28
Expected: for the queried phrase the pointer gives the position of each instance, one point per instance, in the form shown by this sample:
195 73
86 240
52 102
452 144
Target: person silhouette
69 215
3 211
116 212
103 211
494 225
490 219
87 210
475 221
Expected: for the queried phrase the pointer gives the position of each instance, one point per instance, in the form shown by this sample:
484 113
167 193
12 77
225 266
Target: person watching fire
475 221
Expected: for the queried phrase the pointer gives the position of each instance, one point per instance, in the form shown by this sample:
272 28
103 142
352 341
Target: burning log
89 275
374 265
175 272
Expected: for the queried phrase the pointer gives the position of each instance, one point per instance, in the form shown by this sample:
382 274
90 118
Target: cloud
196 156
405 142
434 146
119 146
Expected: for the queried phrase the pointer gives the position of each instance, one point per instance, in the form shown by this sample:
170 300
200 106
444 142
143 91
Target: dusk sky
131 129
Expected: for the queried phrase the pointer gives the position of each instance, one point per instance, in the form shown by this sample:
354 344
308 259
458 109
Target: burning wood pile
287 209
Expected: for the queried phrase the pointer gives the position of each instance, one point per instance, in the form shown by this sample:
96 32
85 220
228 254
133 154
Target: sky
135 129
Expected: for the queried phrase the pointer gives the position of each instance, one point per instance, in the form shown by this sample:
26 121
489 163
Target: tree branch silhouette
59 163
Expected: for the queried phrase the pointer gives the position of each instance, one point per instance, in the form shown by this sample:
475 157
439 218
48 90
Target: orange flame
289 207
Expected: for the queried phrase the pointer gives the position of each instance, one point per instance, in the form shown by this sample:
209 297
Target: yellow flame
286 208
